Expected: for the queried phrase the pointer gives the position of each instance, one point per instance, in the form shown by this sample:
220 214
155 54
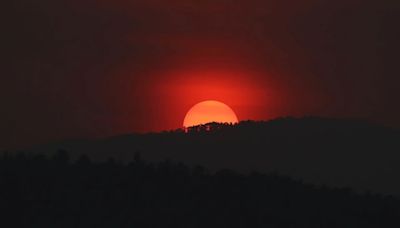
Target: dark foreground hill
40 192
342 153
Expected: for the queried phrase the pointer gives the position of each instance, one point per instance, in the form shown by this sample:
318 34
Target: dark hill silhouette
336 152
40 192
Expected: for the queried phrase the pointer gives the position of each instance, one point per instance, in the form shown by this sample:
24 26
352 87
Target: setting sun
209 111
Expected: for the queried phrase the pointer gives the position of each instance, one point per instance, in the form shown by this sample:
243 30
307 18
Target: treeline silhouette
336 152
42 191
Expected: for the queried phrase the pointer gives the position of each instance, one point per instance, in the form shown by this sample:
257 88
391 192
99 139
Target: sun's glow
209 111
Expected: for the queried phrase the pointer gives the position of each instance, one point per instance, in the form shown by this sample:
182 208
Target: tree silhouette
40 192
63 189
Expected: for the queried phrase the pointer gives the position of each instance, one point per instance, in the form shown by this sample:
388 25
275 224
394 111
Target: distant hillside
335 152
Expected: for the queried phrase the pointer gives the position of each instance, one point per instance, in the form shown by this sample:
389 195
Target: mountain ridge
336 152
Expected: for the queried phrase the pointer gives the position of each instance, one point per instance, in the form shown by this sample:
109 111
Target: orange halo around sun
209 111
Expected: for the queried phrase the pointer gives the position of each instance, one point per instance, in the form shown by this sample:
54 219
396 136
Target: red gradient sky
84 69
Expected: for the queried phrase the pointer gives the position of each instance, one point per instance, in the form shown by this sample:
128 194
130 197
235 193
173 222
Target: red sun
209 111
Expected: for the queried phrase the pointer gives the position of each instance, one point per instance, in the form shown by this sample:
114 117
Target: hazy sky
85 68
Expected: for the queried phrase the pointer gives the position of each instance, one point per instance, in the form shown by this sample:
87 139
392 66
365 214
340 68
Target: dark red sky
85 68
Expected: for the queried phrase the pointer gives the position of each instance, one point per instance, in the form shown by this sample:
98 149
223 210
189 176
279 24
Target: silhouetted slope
335 152
40 192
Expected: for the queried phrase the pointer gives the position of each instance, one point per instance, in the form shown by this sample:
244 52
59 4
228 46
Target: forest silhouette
308 172
37 191
336 152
